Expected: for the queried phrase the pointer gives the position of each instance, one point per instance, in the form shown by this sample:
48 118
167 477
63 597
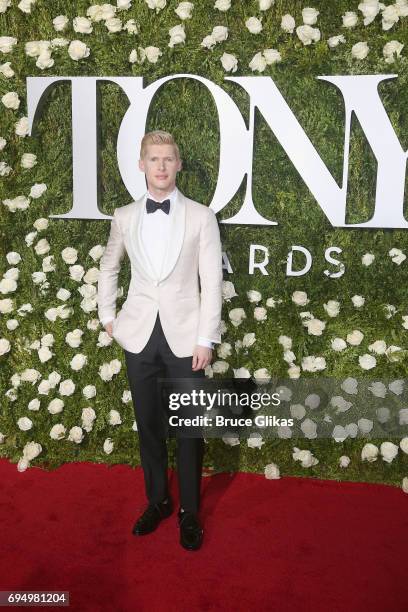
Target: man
166 327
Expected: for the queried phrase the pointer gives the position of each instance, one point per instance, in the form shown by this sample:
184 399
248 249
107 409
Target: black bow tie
152 205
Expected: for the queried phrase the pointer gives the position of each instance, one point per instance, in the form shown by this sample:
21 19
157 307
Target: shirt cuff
205 342
106 320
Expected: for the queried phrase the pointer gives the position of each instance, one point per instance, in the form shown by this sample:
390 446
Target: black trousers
155 361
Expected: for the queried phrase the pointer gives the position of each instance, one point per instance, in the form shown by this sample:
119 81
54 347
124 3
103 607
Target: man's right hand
108 329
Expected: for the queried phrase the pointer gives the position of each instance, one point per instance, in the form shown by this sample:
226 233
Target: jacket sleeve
210 272
108 272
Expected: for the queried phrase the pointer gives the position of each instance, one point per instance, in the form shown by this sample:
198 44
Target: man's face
160 165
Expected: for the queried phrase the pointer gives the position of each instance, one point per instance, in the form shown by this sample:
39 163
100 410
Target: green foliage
186 108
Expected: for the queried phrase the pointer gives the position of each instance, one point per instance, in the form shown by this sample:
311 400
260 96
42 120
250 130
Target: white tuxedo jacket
193 261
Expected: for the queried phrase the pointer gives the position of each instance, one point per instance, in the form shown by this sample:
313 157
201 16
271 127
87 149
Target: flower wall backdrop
64 392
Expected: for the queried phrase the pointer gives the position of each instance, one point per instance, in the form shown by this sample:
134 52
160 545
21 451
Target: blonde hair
158 137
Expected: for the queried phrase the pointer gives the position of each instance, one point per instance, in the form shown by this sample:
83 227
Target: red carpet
287 545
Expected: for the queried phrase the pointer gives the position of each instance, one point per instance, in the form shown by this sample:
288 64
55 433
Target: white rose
156 4
271 471
365 425
76 273
389 451
11 100
21 127
236 316
360 50
370 9
22 464
74 338
229 62
31 450
25 5
114 417
313 364
224 350
241 373
255 441
82 25
230 439
78 362
219 33
258 62
228 290
334 41
390 16
289 357
55 406
12 324
272 56
89 391
332 308
7 285
310 15
24 423
4 346
208 42
60 22
248 340
54 379
4 5
358 301
91 275
262 376
152 54
6 70
114 24
315 327
254 25
93 324
355 337
367 362
297 411
305 457
44 387
69 255
404 445
78 50
264 5
185 9
344 461
221 5
379 347
126 396
288 23
37 190
13 258
392 51
28 160
108 446
67 387
6 306
286 342
367 259
30 375
300 298
63 294
294 372
378 389
338 344
177 35
369 453
309 429
104 339
34 404
42 247
44 354
260 313
41 224
47 264
397 256
76 434
7 43
38 277
307 34
58 432
105 372
350 19
396 386
96 252
220 367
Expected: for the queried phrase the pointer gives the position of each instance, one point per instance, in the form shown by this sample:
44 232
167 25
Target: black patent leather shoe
151 517
191 532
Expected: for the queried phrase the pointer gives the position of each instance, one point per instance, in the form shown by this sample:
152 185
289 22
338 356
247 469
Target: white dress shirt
155 234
